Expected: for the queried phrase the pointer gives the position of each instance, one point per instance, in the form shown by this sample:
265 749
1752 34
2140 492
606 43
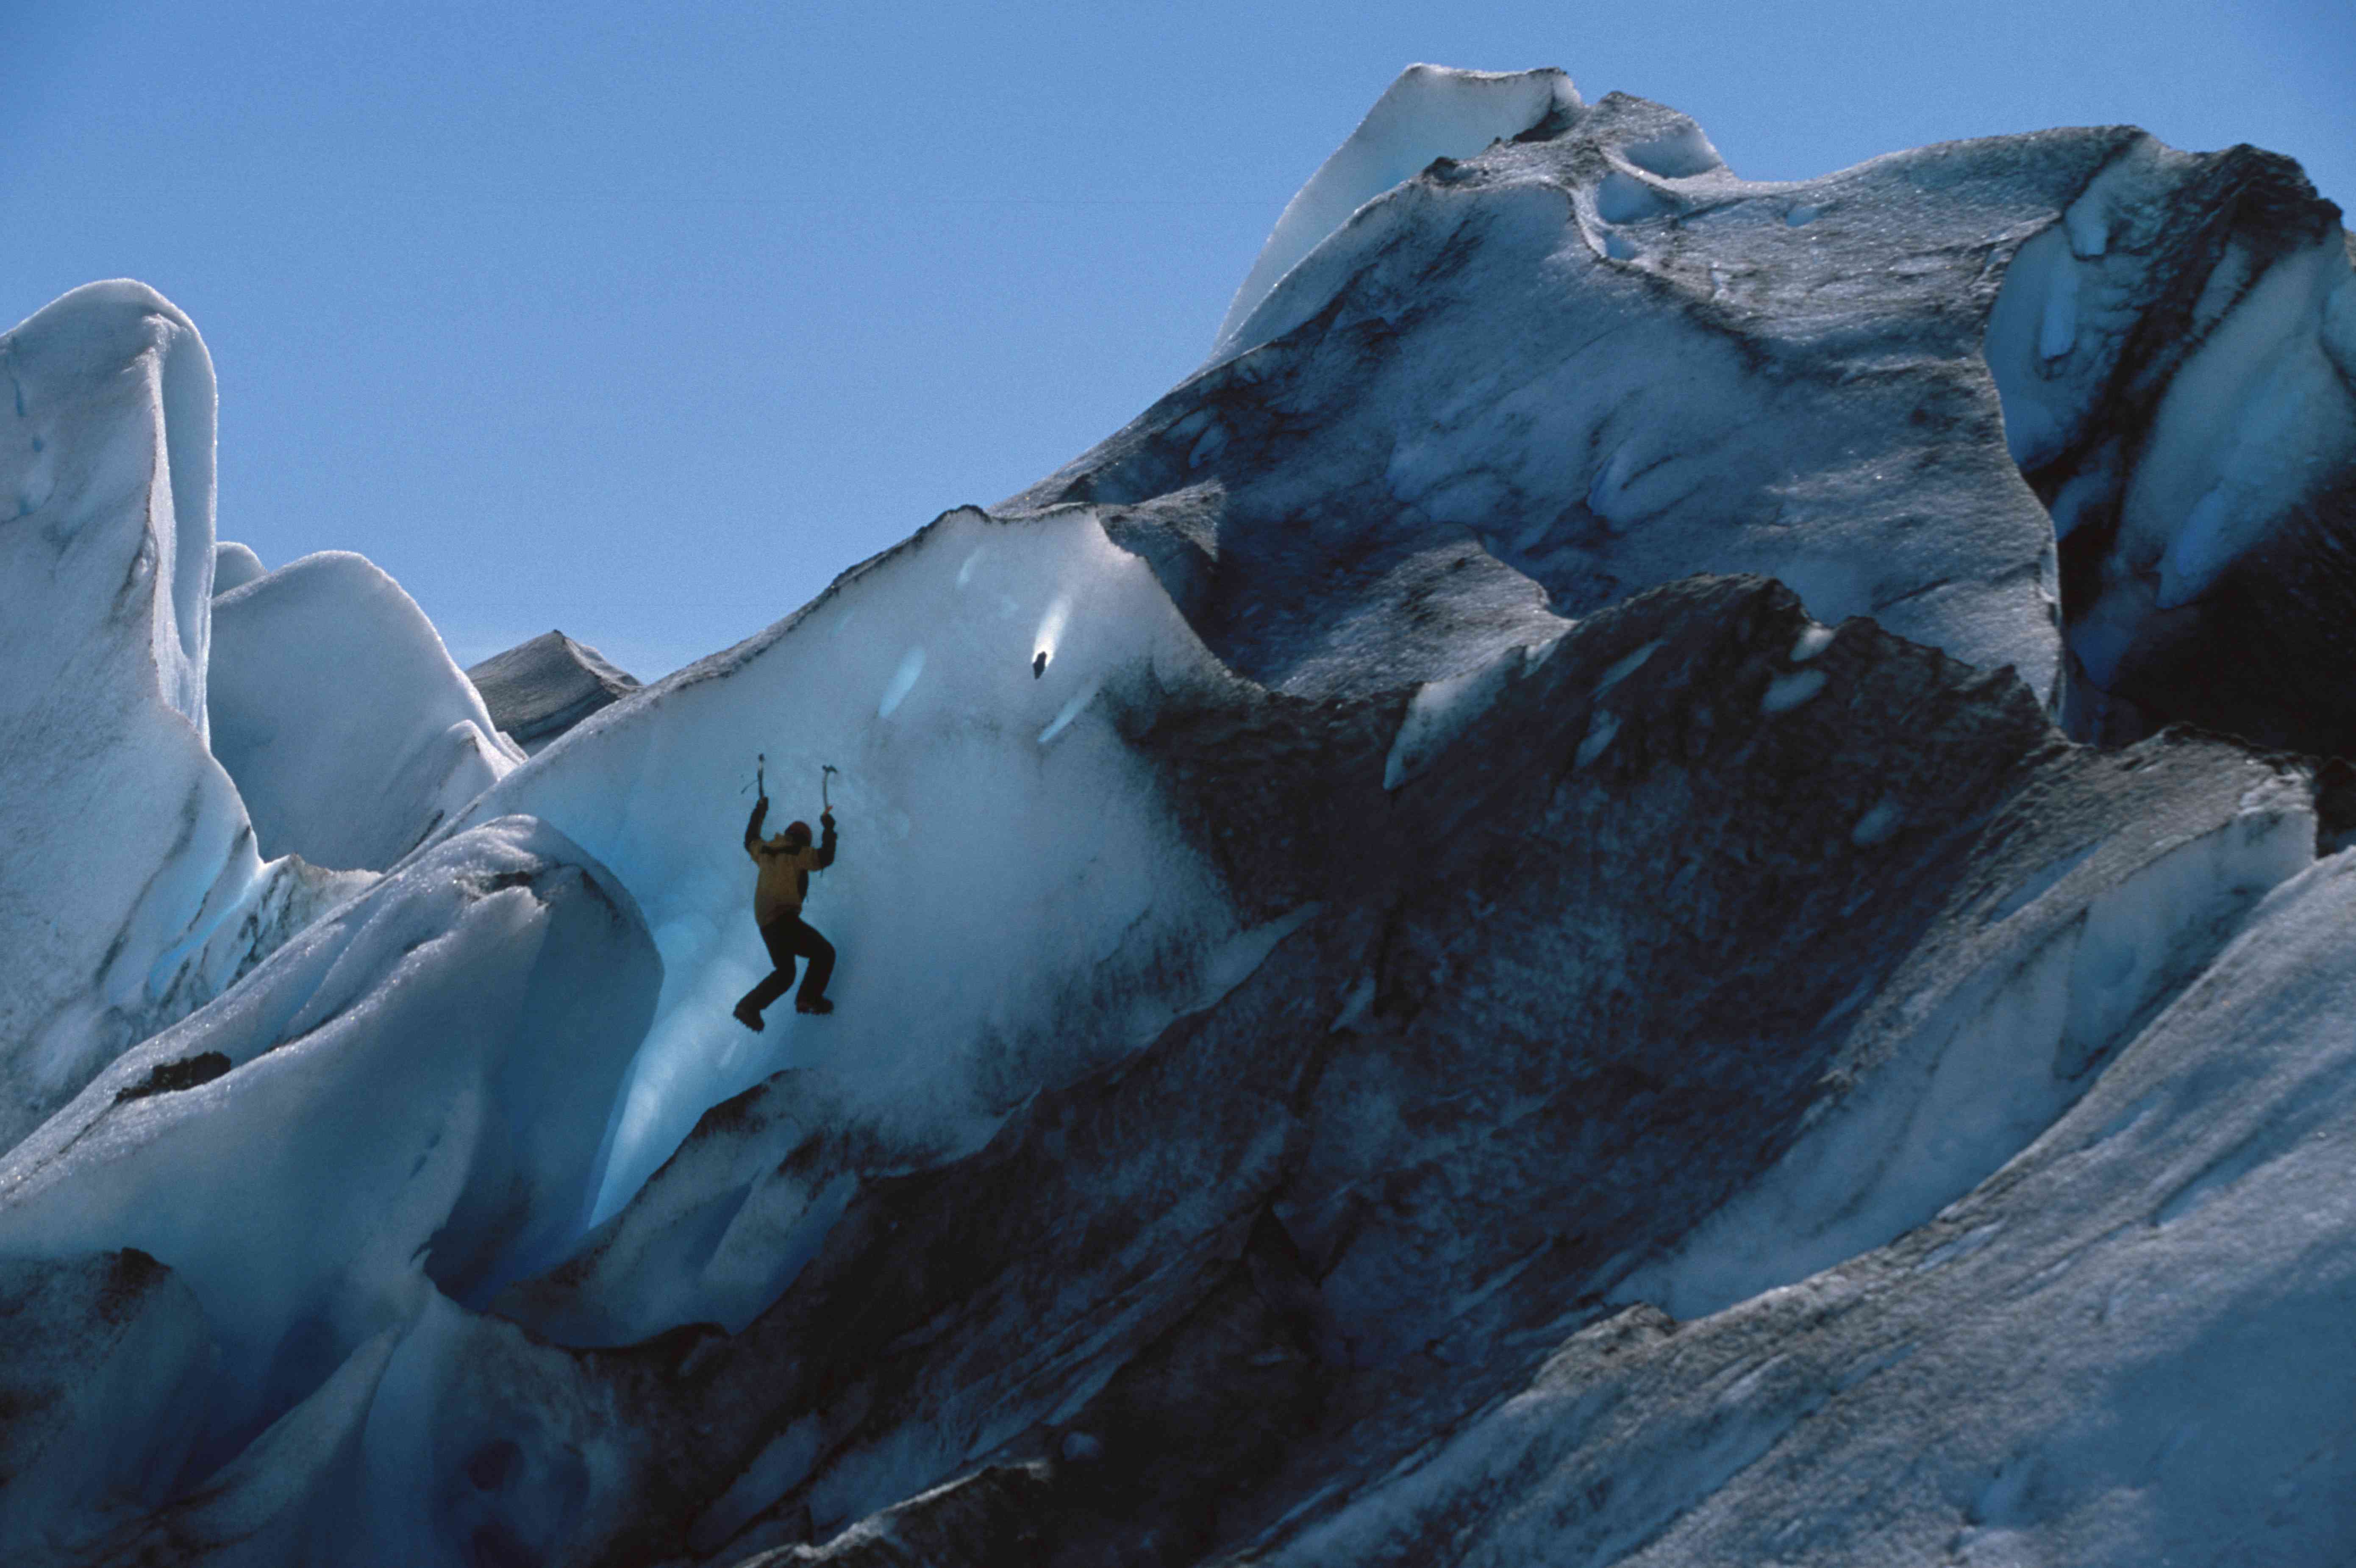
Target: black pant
788 938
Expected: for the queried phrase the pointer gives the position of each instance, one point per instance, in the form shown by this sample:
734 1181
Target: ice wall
1009 905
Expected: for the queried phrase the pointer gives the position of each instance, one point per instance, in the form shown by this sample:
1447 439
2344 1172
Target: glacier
1660 876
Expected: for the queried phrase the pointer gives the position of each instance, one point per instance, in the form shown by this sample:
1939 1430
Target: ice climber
786 863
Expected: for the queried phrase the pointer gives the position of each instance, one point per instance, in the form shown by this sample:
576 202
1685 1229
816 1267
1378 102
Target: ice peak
1429 111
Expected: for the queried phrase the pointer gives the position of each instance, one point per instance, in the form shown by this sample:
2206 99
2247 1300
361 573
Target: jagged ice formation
1551 914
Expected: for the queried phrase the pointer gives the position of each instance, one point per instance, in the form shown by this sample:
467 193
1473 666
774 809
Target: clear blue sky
643 320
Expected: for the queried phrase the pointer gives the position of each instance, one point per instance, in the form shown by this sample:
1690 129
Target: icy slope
131 890
350 732
98 1369
1550 374
2127 1348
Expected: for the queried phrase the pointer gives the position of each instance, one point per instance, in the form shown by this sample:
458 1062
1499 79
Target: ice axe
826 771
760 771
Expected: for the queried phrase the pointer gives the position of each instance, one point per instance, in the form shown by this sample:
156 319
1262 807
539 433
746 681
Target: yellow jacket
785 871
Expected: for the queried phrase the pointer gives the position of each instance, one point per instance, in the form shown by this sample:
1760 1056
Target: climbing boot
814 1005
748 1017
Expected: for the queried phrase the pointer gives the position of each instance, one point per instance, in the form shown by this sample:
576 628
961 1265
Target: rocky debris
538 689
170 1077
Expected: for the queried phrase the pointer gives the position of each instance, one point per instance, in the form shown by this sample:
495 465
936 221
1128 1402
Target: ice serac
131 889
410 1100
350 733
538 689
